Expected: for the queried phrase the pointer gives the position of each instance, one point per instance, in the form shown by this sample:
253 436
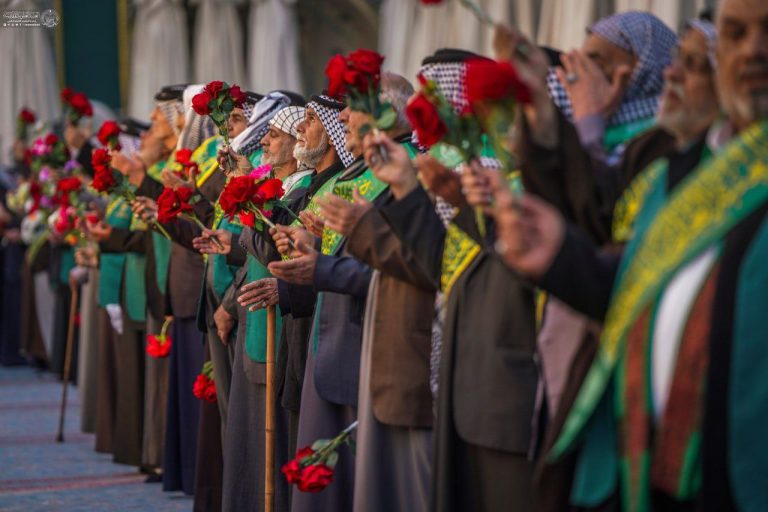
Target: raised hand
300 269
206 245
529 230
440 180
285 238
396 170
314 223
258 294
145 209
588 89
341 215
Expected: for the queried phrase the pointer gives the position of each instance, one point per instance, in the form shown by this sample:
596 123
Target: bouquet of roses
493 90
25 119
357 76
452 137
108 135
108 181
63 223
312 468
76 105
49 151
178 202
159 345
205 385
218 100
189 169
252 197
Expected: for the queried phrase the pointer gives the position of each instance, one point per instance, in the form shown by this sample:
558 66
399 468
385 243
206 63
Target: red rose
103 179
270 189
315 478
67 185
214 88
366 61
27 116
357 80
292 471
80 103
51 139
100 158
183 156
488 80
201 383
158 346
425 120
238 96
236 193
172 202
335 70
66 94
108 133
200 103
92 218
210 392
247 218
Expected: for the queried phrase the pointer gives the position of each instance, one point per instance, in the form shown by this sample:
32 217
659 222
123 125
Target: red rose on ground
51 139
103 179
79 102
315 478
237 95
67 185
270 189
247 218
172 202
108 133
366 61
335 70
489 80
214 88
210 392
425 120
27 116
200 103
198 389
100 158
66 94
183 156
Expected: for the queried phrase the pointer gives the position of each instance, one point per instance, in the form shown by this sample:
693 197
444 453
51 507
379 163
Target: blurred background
120 52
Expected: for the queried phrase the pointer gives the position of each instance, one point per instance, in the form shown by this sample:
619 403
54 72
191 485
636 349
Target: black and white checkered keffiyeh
258 123
709 31
327 109
651 41
129 144
170 109
288 119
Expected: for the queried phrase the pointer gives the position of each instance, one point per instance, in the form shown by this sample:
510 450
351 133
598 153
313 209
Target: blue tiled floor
38 474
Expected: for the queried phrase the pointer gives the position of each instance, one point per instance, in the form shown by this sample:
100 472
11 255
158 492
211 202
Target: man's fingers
358 198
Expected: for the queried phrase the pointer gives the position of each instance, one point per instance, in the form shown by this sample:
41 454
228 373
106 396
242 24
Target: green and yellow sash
118 215
701 210
205 158
460 249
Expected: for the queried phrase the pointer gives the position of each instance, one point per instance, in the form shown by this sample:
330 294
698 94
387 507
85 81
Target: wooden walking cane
68 358
269 423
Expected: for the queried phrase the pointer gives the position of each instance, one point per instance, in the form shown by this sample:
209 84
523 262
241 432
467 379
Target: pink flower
260 172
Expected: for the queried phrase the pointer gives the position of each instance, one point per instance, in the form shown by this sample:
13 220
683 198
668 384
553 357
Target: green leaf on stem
332 459
387 119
